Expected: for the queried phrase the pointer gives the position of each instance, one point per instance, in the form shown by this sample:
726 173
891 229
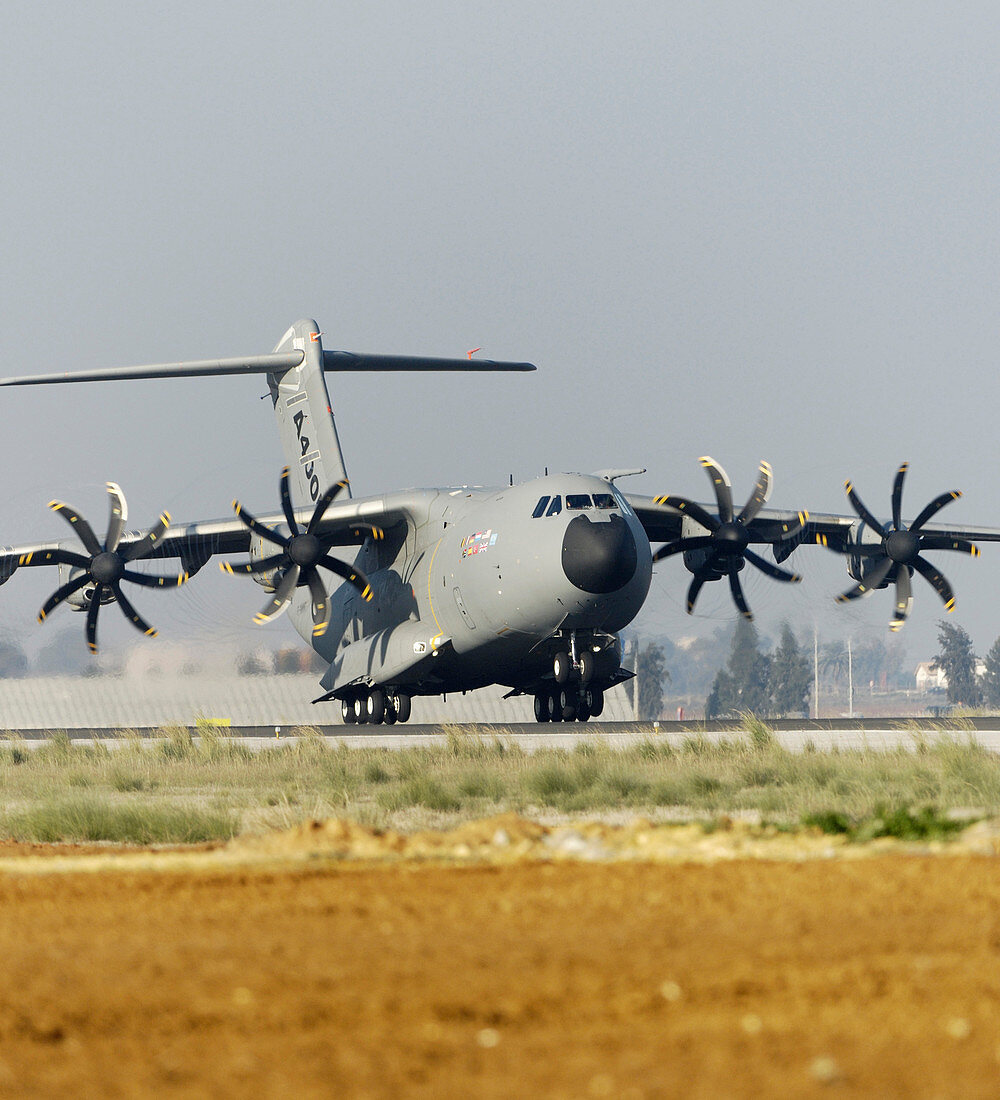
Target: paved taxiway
795 736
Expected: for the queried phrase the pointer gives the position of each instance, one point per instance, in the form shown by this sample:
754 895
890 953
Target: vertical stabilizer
305 416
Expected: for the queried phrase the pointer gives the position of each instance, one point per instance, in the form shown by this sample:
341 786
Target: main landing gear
571 703
375 707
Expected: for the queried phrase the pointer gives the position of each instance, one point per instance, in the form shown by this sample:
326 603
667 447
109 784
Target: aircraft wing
718 540
95 571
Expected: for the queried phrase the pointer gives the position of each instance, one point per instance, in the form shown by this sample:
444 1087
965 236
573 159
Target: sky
761 230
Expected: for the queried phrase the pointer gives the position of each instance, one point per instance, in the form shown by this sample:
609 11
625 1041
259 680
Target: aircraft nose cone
599 557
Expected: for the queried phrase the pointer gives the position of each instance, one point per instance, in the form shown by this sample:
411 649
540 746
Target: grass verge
179 789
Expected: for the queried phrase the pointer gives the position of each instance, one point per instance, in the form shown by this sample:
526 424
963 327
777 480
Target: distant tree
834 661
650 674
991 678
958 661
743 684
790 680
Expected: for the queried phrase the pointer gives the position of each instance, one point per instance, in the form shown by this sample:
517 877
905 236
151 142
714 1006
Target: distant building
929 678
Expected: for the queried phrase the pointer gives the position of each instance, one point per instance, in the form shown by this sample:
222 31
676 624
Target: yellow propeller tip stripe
151 633
41 616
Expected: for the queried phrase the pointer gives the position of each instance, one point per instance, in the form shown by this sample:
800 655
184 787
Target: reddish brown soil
873 977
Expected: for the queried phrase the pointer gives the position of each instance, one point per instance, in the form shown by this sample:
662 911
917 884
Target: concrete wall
144 697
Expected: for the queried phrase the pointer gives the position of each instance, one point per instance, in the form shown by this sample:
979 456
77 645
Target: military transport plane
429 591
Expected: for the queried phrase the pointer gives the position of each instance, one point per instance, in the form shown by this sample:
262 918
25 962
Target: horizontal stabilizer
254 364
350 360
275 363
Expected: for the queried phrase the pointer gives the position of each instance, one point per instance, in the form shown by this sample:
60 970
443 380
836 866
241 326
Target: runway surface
823 734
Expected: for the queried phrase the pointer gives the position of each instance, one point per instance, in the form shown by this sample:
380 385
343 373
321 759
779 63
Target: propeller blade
737 590
723 487
130 612
862 511
772 570
62 593
870 580
688 507
937 582
897 497
117 516
693 590
286 502
257 527
146 580
934 507
79 524
320 602
281 598
945 542
323 503
92 612
350 574
904 598
682 546
56 557
261 566
143 547
760 495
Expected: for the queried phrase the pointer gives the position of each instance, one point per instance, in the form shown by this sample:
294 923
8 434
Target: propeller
898 552
726 547
300 555
105 565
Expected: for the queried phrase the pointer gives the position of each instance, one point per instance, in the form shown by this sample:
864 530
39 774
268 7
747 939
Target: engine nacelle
861 534
80 600
261 549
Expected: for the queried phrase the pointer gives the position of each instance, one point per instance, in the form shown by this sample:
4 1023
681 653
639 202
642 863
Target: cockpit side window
555 507
540 508
604 500
576 501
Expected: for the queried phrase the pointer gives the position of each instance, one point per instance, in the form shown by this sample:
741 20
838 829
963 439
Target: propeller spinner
726 546
105 565
897 554
300 555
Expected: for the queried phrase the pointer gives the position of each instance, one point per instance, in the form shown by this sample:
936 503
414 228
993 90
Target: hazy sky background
748 230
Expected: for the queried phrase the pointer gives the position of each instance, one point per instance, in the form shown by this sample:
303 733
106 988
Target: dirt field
275 970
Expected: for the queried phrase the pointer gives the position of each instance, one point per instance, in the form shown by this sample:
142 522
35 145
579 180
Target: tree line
958 660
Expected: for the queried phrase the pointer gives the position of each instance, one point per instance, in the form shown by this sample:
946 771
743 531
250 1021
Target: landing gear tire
541 708
360 704
594 699
402 708
375 706
347 712
582 710
555 707
586 667
561 668
568 701
390 711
